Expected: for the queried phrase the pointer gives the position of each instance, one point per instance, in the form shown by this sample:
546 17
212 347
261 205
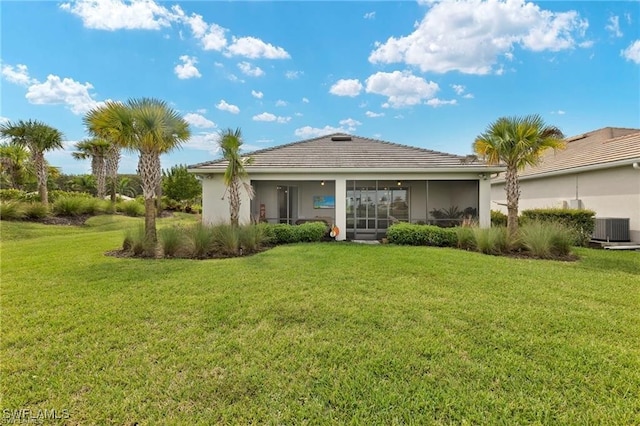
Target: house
358 184
599 170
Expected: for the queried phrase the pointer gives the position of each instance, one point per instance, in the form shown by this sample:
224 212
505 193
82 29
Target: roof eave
412 170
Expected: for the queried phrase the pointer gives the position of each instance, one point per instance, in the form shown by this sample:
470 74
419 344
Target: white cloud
224 106
3 120
18 75
470 35
56 91
458 88
257 95
281 103
312 132
559 112
250 70
401 88
267 116
188 68
369 15
205 141
211 36
468 96
346 87
350 124
200 121
435 102
614 26
298 114
632 53
254 48
372 114
201 111
305 100
264 140
235 78
292 75
114 15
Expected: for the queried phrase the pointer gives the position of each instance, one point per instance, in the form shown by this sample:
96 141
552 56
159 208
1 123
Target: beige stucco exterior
609 191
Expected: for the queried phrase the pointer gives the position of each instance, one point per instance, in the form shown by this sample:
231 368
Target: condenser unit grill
611 229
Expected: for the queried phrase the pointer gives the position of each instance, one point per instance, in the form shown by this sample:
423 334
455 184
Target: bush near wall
581 221
283 233
498 218
422 235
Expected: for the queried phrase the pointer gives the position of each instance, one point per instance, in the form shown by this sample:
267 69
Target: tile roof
599 147
343 151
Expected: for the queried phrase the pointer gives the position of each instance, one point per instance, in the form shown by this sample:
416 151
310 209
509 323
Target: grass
315 333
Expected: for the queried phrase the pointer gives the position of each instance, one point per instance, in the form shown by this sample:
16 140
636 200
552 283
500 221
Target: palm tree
97 150
150 127
517 142
38 138
235 175
13 164
111 163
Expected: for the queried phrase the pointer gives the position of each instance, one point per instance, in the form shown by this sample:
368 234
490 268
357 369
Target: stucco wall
611 192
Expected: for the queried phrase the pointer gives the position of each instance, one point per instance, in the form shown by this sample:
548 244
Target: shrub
171 240
94 206
580 221
130 208
57 194
466 238
546 239
498 218
11 194
252 237
135 241
35 210
282 234
492 240
309 232
12 210
422 235
201 238
226 239
69 206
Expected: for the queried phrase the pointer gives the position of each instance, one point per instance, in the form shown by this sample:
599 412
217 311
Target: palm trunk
41 175
98 166
111 166
148 170
512 188
234 202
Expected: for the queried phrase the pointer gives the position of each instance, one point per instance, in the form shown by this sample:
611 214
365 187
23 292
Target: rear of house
599 170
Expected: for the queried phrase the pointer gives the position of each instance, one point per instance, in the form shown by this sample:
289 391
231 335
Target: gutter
325 170
634 162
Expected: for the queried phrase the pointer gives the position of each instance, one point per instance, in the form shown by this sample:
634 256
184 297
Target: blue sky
431 74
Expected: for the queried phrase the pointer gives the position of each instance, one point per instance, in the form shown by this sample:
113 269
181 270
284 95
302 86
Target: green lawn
315 333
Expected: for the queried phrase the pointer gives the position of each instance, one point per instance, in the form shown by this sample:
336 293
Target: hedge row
422 235
283 233
582 222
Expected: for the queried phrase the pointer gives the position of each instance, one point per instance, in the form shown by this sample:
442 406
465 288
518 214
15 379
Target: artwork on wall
324 202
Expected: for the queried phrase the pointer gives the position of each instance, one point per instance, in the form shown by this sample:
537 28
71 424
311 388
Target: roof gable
344 151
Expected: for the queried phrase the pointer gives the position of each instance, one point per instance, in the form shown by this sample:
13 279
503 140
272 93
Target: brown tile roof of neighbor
599 147
343 151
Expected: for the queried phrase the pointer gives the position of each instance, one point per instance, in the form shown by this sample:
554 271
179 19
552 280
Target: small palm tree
235 174
517 142
150 127
38 138
13 164
97 150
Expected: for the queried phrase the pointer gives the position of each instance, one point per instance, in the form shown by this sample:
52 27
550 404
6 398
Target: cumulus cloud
372 114
632 53
401 88
470 35
18 75
66 91
250 70
613 26
281 103
313 132
350 124
257 95
251 47
305 100
292 75
369 15
559 112
460 91
188 68
267 116
346 87
211 36
204 141
114 15
197 120
224 106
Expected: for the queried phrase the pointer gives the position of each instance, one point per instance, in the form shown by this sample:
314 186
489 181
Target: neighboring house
599 170
361 185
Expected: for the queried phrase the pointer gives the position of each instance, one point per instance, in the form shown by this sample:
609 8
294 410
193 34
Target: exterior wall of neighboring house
461 189
610 192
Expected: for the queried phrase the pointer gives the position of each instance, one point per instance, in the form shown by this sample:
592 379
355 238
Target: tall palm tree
97 150
235 174
150 127
38 138
112 161
517 142
13 164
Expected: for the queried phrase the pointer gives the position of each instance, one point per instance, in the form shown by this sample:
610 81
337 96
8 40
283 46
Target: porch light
399 183
322 182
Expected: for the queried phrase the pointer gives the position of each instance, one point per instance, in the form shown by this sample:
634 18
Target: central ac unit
611 229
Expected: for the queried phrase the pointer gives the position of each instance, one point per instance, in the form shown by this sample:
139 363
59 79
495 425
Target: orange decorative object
334 231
